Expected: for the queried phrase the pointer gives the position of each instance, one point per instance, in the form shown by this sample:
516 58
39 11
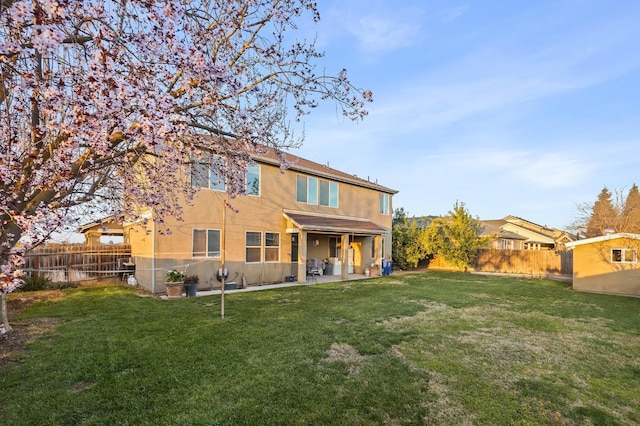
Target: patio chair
314 269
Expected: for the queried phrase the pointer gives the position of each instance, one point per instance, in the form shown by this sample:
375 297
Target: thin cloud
376 27
451 14
376 34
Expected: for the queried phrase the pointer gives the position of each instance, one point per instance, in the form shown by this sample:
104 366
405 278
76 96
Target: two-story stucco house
308 211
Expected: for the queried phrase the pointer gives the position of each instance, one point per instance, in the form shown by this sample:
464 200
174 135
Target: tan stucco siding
263 213
594 271
141 240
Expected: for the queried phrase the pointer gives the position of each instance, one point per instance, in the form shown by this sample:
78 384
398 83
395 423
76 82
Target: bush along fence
77 262
542 263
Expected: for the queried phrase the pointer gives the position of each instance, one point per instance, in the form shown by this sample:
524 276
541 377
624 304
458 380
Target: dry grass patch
548 359
442 409
347 354
12 346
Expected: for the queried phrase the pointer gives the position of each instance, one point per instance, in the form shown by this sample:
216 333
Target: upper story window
624 256
252 179
205 174
316 191
383 204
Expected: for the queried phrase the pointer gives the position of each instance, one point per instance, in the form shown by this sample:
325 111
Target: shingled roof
299 164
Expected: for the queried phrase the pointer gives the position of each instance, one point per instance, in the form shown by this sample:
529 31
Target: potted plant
174 283
191 285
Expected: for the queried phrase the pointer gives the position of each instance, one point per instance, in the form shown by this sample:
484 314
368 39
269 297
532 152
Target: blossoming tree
101 99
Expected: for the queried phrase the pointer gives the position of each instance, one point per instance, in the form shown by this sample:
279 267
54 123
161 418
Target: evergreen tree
456 237
630 217
603 216
409 244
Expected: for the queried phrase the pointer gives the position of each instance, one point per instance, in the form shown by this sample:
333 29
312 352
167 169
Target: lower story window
206 243
253 247
271 247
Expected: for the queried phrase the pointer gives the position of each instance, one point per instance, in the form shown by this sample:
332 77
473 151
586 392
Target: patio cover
311 222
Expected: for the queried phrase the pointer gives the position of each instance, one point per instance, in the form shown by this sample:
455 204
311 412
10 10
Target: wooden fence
76 262
527 262
530 262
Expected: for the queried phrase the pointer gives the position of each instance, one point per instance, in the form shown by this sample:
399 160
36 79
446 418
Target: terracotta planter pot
174 289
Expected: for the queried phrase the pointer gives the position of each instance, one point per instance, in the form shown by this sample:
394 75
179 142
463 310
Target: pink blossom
104 97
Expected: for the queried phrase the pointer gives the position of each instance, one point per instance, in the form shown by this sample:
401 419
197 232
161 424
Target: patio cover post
302 256
344 250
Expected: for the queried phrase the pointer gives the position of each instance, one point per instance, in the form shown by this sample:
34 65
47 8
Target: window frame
384 201
258 178
247 247
217 183
272 248
301 188
623 255
310 190
207 253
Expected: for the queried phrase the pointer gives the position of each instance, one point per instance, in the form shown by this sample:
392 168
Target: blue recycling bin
386 267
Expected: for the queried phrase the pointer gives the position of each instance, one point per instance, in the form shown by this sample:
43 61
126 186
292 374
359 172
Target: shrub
36 282
191 279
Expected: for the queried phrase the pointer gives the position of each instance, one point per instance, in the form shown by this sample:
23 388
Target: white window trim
332 184
279 246
384 201
223 180
622 255
246 185
206 243
260 246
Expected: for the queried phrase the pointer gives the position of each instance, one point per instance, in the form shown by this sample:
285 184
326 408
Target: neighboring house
106 231
607 264
308 212
503 240
514 233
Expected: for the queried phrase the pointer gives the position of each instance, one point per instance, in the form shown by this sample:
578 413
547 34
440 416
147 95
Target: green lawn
429 348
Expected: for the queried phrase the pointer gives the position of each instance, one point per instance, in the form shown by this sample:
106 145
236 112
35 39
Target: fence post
99 268
68 270
36 265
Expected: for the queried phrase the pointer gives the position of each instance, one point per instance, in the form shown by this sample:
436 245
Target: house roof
299 164
603 238
102 225
328 223
490 227
554 233
512 226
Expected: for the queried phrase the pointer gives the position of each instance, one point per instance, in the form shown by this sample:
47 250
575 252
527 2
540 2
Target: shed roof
603 238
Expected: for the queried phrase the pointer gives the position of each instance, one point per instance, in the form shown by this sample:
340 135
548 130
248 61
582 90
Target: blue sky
514 108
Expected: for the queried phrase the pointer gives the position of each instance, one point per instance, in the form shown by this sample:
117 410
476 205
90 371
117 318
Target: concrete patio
318 279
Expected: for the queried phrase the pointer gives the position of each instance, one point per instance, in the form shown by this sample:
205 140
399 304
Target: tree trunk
3 309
